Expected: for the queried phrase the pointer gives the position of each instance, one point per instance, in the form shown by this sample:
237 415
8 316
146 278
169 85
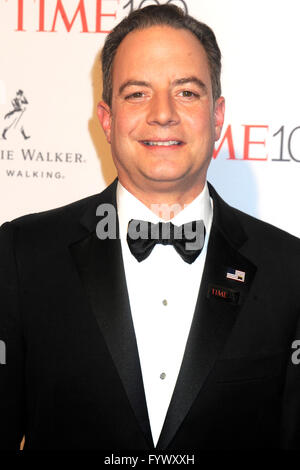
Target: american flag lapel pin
235 275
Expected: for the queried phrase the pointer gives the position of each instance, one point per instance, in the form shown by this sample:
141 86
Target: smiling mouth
162 143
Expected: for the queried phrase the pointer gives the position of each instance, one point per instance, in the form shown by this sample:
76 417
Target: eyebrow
133 83
192 79
177 82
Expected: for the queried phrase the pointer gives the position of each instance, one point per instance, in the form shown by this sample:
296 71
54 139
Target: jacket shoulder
258 232
262 230
73 208
65 215
49 229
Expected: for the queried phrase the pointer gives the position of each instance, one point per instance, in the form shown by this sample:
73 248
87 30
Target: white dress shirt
163 291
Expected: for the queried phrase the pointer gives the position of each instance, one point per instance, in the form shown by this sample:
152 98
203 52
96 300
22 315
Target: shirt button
165 302
162 376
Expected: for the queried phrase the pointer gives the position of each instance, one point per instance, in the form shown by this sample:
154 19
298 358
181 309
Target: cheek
199 125
125 123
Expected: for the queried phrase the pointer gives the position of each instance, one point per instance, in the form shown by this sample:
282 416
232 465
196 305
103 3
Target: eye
189 94
136 95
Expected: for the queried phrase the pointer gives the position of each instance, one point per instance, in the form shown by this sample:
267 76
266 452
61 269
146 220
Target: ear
104 115
219 116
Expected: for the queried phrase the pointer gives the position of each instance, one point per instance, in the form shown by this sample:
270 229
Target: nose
162 111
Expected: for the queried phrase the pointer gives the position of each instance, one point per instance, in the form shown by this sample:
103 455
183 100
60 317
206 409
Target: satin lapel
214 317
100 267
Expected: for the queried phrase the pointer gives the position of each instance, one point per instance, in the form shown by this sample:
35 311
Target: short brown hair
153 15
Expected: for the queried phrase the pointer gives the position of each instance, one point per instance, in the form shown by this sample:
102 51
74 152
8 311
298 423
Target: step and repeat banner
52 149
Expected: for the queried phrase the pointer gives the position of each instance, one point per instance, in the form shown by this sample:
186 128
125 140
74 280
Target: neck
165 203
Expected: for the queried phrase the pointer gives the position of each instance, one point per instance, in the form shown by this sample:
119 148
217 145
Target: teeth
165 144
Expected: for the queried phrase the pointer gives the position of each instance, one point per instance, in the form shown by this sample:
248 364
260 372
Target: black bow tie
187 239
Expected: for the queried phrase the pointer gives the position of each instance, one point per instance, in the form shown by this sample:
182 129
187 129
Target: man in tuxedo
127 343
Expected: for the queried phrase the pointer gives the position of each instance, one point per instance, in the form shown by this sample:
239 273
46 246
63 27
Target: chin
164 180
165 175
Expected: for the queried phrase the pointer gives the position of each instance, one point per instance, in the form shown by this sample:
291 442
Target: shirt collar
129 207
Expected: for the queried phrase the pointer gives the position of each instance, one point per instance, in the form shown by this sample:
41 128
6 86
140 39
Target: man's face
163 122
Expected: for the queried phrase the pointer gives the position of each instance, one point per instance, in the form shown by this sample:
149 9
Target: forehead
160 53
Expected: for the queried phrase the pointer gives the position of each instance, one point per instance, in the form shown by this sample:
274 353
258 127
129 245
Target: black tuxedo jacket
72 378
